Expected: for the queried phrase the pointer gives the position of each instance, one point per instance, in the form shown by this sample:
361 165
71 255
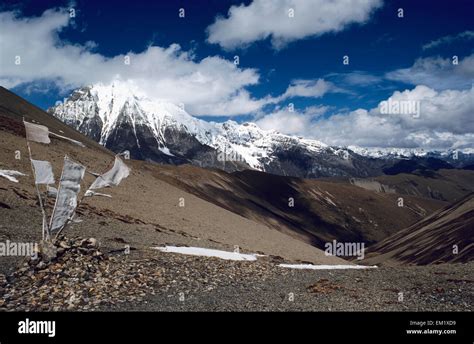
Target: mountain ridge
120 118
163 132
442 237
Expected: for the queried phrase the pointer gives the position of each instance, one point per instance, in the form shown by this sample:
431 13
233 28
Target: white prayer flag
52 191
113 177
66 201
90 193
68 139
37 133
43 172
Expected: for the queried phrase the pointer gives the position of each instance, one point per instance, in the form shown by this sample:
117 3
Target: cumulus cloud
466 35
291 122
445 121
437 73
263 19
211 86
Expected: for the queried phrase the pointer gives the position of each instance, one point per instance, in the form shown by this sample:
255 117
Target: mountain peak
120 117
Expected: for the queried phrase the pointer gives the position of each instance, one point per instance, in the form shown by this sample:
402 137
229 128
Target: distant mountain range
120 119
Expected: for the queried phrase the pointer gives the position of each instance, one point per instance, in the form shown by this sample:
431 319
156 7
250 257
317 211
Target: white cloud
437 73
306 89
355 78
309 89
284 121
445 121
262 19
449 39
291 122
211 86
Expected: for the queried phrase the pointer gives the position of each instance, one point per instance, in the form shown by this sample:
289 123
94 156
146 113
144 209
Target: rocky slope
445 236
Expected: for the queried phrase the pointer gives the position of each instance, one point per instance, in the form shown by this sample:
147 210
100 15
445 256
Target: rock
3 280
63 244
48 250
93 242
41 265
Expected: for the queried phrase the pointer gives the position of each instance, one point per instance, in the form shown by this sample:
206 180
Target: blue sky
306 52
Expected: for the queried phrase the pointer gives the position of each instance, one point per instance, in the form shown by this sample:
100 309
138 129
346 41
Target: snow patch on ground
324 267
10 175
206 252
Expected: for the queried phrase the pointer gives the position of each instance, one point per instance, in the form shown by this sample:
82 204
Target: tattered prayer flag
95 174
52 191
40 133
68 139
43 172
66 201
37 133
113 177
90 193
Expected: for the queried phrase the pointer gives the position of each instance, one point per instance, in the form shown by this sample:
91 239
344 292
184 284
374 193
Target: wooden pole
45 229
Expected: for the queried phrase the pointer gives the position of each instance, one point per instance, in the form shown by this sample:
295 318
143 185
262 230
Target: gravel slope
215 285
86 279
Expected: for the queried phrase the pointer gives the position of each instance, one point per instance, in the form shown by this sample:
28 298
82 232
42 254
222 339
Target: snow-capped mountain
390 152
458 158
120 118
383 152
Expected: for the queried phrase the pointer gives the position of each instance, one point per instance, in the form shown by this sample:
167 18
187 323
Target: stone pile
79 277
